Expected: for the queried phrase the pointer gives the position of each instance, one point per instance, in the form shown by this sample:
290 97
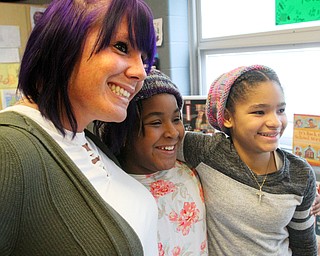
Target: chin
168 166
119 118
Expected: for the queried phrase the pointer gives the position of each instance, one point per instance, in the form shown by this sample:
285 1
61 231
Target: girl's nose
171 131
274 120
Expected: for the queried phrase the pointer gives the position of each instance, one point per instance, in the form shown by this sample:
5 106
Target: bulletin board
16 24
296 11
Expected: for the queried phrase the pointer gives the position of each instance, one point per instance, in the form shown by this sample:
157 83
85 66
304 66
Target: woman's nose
136 69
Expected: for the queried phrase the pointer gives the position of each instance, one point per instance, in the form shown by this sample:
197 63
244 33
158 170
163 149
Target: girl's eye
152 123
155 123
121 46
258 112
282 110
177 119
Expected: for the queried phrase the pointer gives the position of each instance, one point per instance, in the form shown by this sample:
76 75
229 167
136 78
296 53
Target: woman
62 192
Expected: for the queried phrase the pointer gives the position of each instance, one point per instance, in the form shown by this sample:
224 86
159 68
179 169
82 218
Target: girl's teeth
119 91
168 148
268 135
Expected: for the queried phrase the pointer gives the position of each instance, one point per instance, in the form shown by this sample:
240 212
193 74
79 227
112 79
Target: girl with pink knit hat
258 196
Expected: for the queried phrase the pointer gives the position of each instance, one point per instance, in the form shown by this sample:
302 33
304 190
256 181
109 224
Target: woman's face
156 148
102 85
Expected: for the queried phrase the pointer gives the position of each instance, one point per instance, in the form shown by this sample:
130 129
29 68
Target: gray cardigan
47 206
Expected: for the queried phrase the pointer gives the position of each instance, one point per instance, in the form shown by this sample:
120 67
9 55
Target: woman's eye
121 46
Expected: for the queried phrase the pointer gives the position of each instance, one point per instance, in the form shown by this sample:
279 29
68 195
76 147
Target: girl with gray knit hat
258 196
146 145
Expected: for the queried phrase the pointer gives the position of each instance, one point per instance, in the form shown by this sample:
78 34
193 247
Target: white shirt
127 196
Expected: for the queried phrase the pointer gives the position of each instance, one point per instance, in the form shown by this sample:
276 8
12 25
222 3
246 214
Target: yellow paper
9 75
306 138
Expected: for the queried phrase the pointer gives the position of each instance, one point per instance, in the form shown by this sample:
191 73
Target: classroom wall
17 15
12 15
174 51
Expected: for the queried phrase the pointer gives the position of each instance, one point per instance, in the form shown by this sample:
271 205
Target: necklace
260 193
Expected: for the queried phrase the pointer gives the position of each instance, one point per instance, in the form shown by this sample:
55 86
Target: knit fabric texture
219 92
157 83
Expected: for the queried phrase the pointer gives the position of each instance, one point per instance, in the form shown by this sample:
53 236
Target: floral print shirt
182 217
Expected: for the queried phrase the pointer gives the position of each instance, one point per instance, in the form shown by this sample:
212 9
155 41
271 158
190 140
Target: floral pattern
187 217
182 217
161 187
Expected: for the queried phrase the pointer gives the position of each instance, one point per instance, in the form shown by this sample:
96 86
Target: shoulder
294 162
183 166
300 172
200 140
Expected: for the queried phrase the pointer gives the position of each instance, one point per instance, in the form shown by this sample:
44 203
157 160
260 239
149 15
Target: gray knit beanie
157 83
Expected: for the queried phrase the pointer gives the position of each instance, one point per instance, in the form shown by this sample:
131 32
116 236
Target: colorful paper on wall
8 98
306 138
9 75
296 11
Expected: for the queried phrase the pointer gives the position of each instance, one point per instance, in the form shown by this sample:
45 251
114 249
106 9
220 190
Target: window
249 36
251 16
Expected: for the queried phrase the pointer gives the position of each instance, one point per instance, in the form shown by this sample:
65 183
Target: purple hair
56 44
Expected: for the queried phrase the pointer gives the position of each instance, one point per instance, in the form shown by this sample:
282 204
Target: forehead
159 101
263 92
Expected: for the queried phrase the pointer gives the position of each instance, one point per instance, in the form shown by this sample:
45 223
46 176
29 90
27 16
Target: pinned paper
8 98
10 37
9 55
9 75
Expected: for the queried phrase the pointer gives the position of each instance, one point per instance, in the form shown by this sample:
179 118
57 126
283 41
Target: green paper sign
296 11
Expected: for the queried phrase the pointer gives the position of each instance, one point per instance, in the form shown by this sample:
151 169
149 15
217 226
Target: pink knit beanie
219 92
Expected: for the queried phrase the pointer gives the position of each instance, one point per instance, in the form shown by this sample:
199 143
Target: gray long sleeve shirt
237 223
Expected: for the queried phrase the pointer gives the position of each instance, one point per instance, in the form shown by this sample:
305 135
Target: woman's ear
227 121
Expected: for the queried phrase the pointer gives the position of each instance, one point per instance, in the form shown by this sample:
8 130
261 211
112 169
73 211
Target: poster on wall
157 23
8 84
35 14
8 98
9 75
306 138
194 116
296 11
